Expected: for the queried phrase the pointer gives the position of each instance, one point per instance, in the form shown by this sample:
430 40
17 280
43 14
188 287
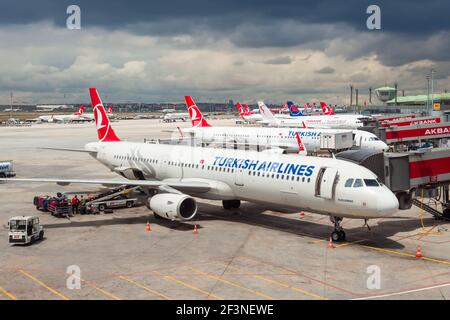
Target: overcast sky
158 51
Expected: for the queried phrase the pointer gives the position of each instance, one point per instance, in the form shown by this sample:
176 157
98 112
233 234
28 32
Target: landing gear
338 234
231 204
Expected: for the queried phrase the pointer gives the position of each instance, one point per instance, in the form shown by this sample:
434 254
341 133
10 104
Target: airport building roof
420 99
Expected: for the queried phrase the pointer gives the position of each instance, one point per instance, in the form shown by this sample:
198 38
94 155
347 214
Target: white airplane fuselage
281 181
283 137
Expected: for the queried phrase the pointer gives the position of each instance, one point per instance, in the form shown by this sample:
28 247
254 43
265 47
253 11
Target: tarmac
249 253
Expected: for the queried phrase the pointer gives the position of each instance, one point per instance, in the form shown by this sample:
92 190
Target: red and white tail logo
196 116
109 110
240 109
104 129
326 109
247 110
80 111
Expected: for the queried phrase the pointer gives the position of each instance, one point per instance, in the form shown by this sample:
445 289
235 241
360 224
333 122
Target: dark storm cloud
410 17
312 24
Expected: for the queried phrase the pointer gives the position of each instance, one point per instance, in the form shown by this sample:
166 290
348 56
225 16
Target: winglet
196 116
301 147
104 130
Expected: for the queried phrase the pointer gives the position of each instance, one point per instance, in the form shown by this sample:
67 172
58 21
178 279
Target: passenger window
358 183
348 183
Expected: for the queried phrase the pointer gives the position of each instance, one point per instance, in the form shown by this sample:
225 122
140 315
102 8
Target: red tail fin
240 109
247 110
195 114
109 110
326 109
80 111
301 147
104 129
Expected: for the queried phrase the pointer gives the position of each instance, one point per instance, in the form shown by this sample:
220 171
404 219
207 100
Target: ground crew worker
75 203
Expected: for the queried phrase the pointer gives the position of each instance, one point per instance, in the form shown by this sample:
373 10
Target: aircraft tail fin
241 109
196 116
104 130
109 110
293 110
247 109
267 114
326 108
80 111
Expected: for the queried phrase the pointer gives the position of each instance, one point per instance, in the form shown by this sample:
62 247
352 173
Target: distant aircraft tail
196 116
109 110
326 109
293 110
266 114
80 111
104 130
247 110
241 109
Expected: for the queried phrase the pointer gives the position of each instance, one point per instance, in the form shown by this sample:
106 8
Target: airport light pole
432 87
428 94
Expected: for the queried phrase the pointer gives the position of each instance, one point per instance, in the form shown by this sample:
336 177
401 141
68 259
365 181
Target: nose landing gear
338 234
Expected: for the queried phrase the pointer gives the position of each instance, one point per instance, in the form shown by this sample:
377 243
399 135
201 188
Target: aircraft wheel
41 235
338 236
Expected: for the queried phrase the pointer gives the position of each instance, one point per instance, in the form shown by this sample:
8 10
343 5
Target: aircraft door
239 177
325 182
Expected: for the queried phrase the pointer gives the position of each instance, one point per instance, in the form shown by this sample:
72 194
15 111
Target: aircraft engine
173 206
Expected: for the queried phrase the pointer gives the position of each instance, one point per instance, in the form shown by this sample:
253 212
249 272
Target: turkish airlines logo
101 121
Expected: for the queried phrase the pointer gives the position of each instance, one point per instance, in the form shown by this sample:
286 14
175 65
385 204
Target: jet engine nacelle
173 206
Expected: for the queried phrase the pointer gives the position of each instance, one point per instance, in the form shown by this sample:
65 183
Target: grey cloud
279 60
325 70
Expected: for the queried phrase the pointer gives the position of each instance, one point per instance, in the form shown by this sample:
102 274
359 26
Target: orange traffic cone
147 227
195 229
418 252
330 244
302 214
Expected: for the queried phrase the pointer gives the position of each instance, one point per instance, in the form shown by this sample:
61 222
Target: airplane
253 117
173 117
76 116
177 174
275 139
12 110
44 107
90 116
351 121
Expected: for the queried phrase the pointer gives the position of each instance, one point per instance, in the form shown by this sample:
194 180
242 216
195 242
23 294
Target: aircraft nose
387 203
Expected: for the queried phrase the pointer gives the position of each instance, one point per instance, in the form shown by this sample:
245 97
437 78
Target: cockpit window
371 183
380 182
348 183
358 183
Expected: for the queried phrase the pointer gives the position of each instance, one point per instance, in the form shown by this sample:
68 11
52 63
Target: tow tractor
25 229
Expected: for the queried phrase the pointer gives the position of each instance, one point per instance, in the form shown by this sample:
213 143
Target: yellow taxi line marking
159 294
290 287
187 285
8 294
232 284
405 254
106 293
349 243
284 285
43 285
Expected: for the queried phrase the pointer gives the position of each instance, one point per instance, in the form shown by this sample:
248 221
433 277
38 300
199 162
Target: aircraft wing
68 149
179 185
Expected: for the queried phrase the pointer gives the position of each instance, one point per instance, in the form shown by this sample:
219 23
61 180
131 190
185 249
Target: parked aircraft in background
282 140
176 174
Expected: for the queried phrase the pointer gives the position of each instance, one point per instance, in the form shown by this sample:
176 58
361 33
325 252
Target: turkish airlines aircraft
90 116
63 117
322 121
177 173
281 139
252 117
